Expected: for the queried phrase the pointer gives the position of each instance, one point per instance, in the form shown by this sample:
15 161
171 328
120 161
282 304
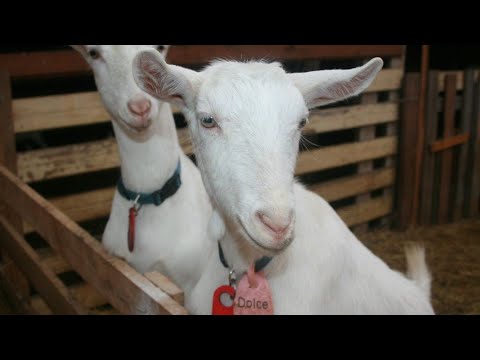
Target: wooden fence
354 166
450 162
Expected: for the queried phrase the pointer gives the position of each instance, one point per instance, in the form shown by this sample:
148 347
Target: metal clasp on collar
232 278
136 205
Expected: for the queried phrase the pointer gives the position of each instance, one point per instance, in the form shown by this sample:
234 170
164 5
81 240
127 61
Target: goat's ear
165 50
82 49
328 86
169 83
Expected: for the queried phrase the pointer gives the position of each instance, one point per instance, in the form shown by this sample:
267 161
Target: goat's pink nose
140 107
277 224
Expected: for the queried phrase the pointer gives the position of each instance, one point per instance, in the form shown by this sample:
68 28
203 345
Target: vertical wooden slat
407 153
467 116
420 132
428 166
474 158
392 130
8 158
365 134
445 193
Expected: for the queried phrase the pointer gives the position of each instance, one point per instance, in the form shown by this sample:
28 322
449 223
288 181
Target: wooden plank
354 185
20 304
87 205
83 293
110 311
69 62
131 293
420 132
53 261
57 162
43 279
392 130
8 158
57 111
39 306
407 151
448 143
459 209
340 155
166 285
52 163
62 111
366 211
446 168
474 158
387 80
460 79
84 206
350 117
428 164
386 222
43 63
365 134
204 53
86 295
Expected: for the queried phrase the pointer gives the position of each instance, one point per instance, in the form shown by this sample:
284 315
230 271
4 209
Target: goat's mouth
270 250
137 128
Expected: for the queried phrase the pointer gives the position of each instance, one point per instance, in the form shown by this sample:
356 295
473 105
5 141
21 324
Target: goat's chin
135 129
263 244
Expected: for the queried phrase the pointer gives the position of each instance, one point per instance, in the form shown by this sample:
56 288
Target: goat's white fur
247 163
170 238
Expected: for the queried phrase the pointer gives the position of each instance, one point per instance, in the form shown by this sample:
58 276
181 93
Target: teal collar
157 197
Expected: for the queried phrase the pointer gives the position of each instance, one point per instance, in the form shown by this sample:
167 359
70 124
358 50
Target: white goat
245 121
170 237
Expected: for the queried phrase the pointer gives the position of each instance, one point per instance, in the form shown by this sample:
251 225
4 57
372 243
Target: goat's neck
238 252
150 158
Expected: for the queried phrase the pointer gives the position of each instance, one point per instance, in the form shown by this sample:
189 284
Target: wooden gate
450 162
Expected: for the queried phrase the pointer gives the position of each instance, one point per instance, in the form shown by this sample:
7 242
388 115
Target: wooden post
9 272
474 157
420 133
428 164
407 153
459 210
392 130
445 193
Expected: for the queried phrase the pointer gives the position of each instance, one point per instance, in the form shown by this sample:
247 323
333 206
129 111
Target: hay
453 256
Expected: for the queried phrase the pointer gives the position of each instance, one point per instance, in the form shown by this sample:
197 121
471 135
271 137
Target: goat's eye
302 124
208 122
161 48
94 54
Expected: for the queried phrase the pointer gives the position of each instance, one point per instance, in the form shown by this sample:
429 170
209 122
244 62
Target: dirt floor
453 255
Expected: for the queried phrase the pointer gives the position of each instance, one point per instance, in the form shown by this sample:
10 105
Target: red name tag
132 215
218 308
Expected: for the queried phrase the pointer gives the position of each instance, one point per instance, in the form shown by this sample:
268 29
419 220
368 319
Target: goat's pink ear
170 83
329 86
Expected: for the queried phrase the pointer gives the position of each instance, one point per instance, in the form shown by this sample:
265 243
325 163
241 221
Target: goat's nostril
140 107
278 224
